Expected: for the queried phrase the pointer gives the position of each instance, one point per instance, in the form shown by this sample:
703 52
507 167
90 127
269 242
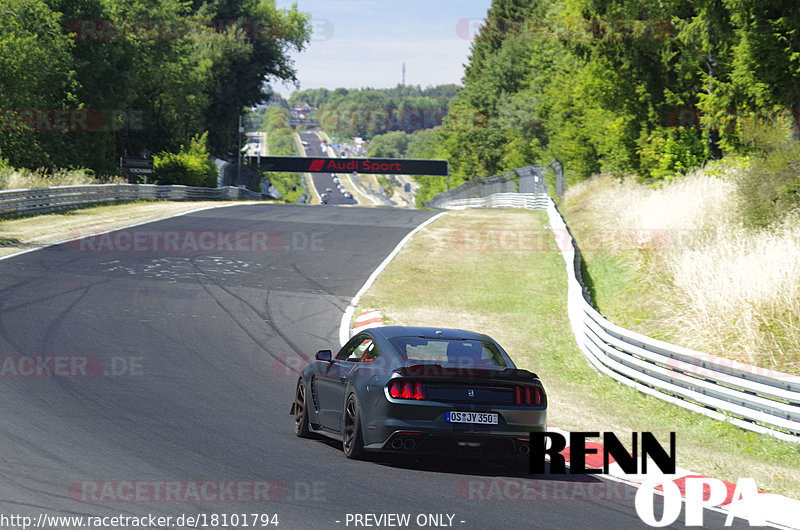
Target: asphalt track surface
323 181
189 381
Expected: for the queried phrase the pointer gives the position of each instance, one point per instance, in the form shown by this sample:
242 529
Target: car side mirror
324 355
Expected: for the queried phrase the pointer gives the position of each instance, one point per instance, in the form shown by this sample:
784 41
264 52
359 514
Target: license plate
487 418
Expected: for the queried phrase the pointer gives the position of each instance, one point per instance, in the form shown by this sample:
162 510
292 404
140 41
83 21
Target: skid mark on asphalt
176 269
264 316
7 309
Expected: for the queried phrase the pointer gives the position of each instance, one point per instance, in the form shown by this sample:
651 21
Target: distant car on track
420 390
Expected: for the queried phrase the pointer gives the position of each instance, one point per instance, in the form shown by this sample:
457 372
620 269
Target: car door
331 382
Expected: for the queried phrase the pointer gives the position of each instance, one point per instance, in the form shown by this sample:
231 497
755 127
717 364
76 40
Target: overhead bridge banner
385 166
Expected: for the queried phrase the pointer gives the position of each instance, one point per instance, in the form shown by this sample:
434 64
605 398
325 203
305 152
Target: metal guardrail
476 188
524 180
754 398
500 200
14 203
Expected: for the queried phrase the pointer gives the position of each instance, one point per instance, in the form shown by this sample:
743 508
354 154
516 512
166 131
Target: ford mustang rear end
421 390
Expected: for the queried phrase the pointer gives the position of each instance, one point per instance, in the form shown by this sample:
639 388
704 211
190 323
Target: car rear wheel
301 411
352 439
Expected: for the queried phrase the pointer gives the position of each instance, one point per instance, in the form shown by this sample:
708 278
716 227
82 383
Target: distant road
323 181
256 144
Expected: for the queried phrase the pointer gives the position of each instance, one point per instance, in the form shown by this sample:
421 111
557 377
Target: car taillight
407 390
525 395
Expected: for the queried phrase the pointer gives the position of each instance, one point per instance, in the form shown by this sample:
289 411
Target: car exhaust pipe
409 444
397 444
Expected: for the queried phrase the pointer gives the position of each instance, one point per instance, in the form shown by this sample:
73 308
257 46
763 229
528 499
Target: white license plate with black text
486 418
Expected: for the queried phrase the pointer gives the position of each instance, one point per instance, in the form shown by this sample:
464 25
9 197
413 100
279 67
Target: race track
144 371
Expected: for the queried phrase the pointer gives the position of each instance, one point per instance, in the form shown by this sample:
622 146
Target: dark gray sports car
424 390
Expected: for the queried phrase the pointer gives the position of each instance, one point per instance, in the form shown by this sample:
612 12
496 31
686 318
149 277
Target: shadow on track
455 464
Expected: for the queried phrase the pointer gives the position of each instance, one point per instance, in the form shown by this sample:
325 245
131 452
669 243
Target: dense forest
83 82
636 87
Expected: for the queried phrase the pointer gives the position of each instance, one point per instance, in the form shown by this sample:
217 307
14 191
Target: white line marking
123 228
344 326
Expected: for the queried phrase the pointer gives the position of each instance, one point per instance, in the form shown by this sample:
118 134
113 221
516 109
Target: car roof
389 332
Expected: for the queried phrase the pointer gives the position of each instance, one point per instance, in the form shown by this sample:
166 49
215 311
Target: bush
290 185
190 167
770 187
671 152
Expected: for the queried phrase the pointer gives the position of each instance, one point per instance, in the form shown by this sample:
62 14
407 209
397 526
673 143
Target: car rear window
448 351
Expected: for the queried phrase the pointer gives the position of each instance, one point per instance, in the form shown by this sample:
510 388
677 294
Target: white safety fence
500 200
14 203
754 398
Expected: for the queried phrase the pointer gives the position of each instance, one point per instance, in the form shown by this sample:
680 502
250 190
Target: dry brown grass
723 289
16 179
17 235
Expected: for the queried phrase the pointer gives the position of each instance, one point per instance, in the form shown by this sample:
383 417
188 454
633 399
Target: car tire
352 438
301 411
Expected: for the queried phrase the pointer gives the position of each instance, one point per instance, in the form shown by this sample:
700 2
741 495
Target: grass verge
676 263
17 235
468 270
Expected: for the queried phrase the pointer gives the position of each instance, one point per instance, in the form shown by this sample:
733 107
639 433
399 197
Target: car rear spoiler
465 372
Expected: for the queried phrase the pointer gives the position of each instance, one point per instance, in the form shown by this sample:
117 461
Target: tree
766 57
151 74
392 144
36 82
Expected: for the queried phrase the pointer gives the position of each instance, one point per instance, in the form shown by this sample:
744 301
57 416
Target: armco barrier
14 203
754 398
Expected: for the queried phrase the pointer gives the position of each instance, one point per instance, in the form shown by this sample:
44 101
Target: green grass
519 298
617 274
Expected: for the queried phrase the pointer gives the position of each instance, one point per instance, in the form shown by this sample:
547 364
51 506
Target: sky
364 43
